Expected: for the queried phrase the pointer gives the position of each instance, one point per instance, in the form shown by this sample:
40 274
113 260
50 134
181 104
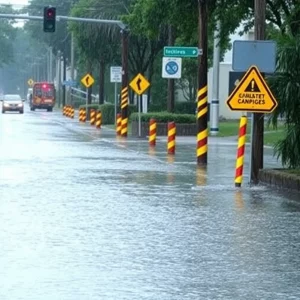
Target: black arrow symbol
138 83
87 80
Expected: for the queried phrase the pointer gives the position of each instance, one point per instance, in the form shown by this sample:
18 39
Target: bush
108 111
185 107
164 117
157 107
180 107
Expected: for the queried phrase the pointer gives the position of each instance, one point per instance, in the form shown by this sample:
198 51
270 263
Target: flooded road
87 216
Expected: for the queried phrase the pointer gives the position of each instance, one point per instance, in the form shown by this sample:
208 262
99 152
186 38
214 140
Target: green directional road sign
181 51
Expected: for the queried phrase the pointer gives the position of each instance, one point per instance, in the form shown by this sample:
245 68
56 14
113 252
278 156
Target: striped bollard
92 117
98 119
241 152
171 137
84 115
119 124
72 112
69 111
80 115
152 132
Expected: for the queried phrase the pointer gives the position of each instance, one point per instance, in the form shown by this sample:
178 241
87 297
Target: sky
18 3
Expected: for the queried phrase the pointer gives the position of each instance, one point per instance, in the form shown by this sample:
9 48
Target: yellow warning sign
87 80
139 84
30 82
252 94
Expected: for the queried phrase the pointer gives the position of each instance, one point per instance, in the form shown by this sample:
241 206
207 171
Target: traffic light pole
202 104
124 33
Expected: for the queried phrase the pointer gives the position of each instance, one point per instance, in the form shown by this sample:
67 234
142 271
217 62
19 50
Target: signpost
182 51
139 84
71 83
252 94
171 67
116 76
87 81
30 82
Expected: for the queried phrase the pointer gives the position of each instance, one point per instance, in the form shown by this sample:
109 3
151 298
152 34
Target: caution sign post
252 94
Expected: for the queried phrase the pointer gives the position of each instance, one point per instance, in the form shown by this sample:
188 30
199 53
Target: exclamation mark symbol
252 85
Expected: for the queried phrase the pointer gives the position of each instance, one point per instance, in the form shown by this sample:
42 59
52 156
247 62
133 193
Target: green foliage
60 39
7 36
108 111
285 84
180 107
164 117
185 107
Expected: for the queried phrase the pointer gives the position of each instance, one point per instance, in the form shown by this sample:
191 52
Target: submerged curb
280 179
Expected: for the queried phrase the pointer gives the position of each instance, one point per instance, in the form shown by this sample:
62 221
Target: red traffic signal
49 19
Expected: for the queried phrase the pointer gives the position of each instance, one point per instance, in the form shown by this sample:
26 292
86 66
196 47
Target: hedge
164 117
179 107
108 111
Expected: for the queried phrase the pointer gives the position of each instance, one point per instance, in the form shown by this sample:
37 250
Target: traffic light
49 19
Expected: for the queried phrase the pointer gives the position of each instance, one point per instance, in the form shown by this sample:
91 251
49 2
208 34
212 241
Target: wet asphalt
87 215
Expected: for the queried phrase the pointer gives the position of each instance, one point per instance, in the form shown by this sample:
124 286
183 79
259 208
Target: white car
12 103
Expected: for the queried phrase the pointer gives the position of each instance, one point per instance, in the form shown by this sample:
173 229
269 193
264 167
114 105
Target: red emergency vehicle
43 96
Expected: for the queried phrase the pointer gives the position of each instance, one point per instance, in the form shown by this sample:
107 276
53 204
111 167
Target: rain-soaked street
87 216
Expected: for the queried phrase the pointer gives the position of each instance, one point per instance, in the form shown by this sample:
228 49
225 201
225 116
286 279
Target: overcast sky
17 3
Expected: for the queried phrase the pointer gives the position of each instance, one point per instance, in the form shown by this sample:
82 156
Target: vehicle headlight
21 104
6 104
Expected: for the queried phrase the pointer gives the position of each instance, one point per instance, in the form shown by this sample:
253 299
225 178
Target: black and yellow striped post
92 117
119 124
80 115
124 91
124 109
98 119
202 105
69 111
72 112
84 112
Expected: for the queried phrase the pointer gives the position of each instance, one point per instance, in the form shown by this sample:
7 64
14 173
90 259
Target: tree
285 84
7 35
60 40
98 43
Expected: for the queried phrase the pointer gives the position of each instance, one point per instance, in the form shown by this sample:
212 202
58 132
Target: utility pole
214 127
257 159
171 82
59 77
72 63
64 79
124 92
51 65
202 105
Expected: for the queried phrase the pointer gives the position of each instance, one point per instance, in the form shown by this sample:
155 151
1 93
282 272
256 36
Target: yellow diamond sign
252 94
87 80
30 82
139 84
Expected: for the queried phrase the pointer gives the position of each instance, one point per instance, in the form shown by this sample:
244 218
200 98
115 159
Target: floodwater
85 215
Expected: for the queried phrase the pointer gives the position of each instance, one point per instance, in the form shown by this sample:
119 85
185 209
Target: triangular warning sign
252 94
252 87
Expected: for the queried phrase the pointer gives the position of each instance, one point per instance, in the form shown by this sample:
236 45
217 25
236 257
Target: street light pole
202 105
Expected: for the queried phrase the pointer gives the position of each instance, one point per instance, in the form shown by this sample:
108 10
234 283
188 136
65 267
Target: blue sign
259 53
171 67
70 83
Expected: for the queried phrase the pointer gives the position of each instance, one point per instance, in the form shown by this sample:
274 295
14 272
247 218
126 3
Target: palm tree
285 84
